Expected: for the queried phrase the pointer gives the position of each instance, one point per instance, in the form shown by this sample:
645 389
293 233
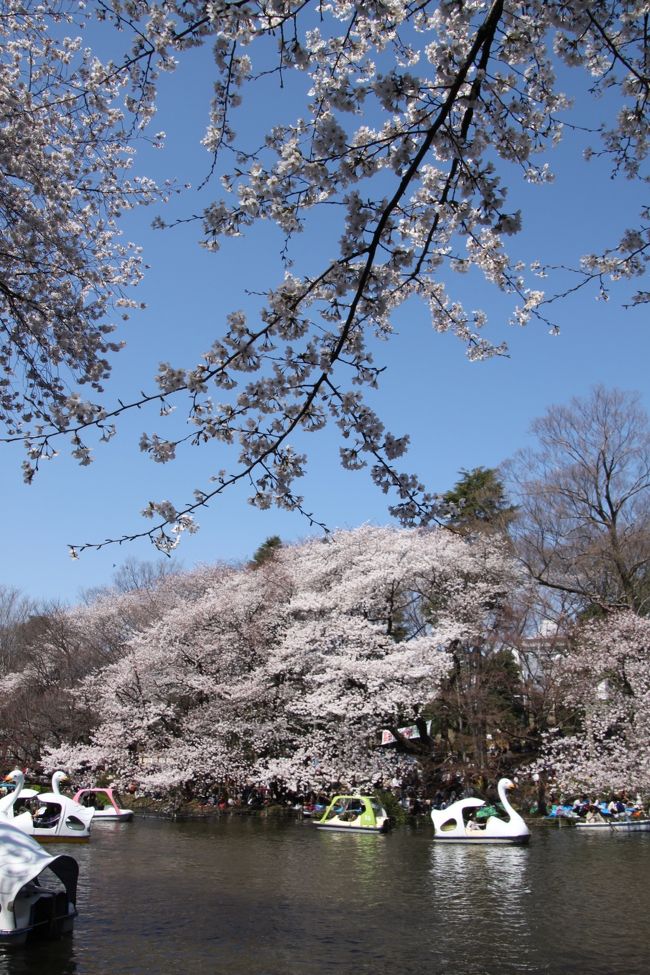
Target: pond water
259 896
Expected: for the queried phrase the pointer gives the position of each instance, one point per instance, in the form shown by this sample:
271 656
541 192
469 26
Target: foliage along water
254 896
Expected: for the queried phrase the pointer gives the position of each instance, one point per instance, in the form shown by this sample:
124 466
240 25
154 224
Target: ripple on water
247 896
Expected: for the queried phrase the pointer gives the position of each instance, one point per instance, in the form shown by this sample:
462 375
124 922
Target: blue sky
459 414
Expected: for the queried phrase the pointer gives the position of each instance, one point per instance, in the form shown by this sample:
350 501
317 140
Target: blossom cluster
607 681
290 670
408 119
66 274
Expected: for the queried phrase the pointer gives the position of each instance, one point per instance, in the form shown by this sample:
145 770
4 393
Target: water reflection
481 894
257 897
56 957
358 857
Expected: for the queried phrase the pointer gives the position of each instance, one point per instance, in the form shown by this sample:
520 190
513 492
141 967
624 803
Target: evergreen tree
478 722
478 502
266 551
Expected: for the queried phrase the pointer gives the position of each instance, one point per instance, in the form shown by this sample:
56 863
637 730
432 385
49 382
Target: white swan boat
109 811
57 818
453 825
38 892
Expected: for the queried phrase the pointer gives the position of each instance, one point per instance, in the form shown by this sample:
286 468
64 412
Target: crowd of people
598 810
407 792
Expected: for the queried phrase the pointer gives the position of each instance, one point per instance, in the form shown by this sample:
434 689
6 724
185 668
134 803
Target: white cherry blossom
290 670
411 120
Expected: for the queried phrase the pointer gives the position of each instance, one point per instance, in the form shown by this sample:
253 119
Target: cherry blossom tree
409 120
288 671
55 648
66 151
606 682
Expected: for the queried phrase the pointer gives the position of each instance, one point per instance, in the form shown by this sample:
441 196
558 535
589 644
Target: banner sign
388 738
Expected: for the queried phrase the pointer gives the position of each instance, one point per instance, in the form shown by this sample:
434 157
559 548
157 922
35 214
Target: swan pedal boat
110 812
38 892
58 818
451 824
354 814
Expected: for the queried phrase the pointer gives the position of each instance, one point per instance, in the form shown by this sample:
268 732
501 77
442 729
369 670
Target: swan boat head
57 779
17 777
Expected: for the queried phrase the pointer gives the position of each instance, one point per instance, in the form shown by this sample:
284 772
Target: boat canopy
107 793
6 802
22 859
366 809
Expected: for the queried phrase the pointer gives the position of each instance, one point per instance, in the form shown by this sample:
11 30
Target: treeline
514 637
